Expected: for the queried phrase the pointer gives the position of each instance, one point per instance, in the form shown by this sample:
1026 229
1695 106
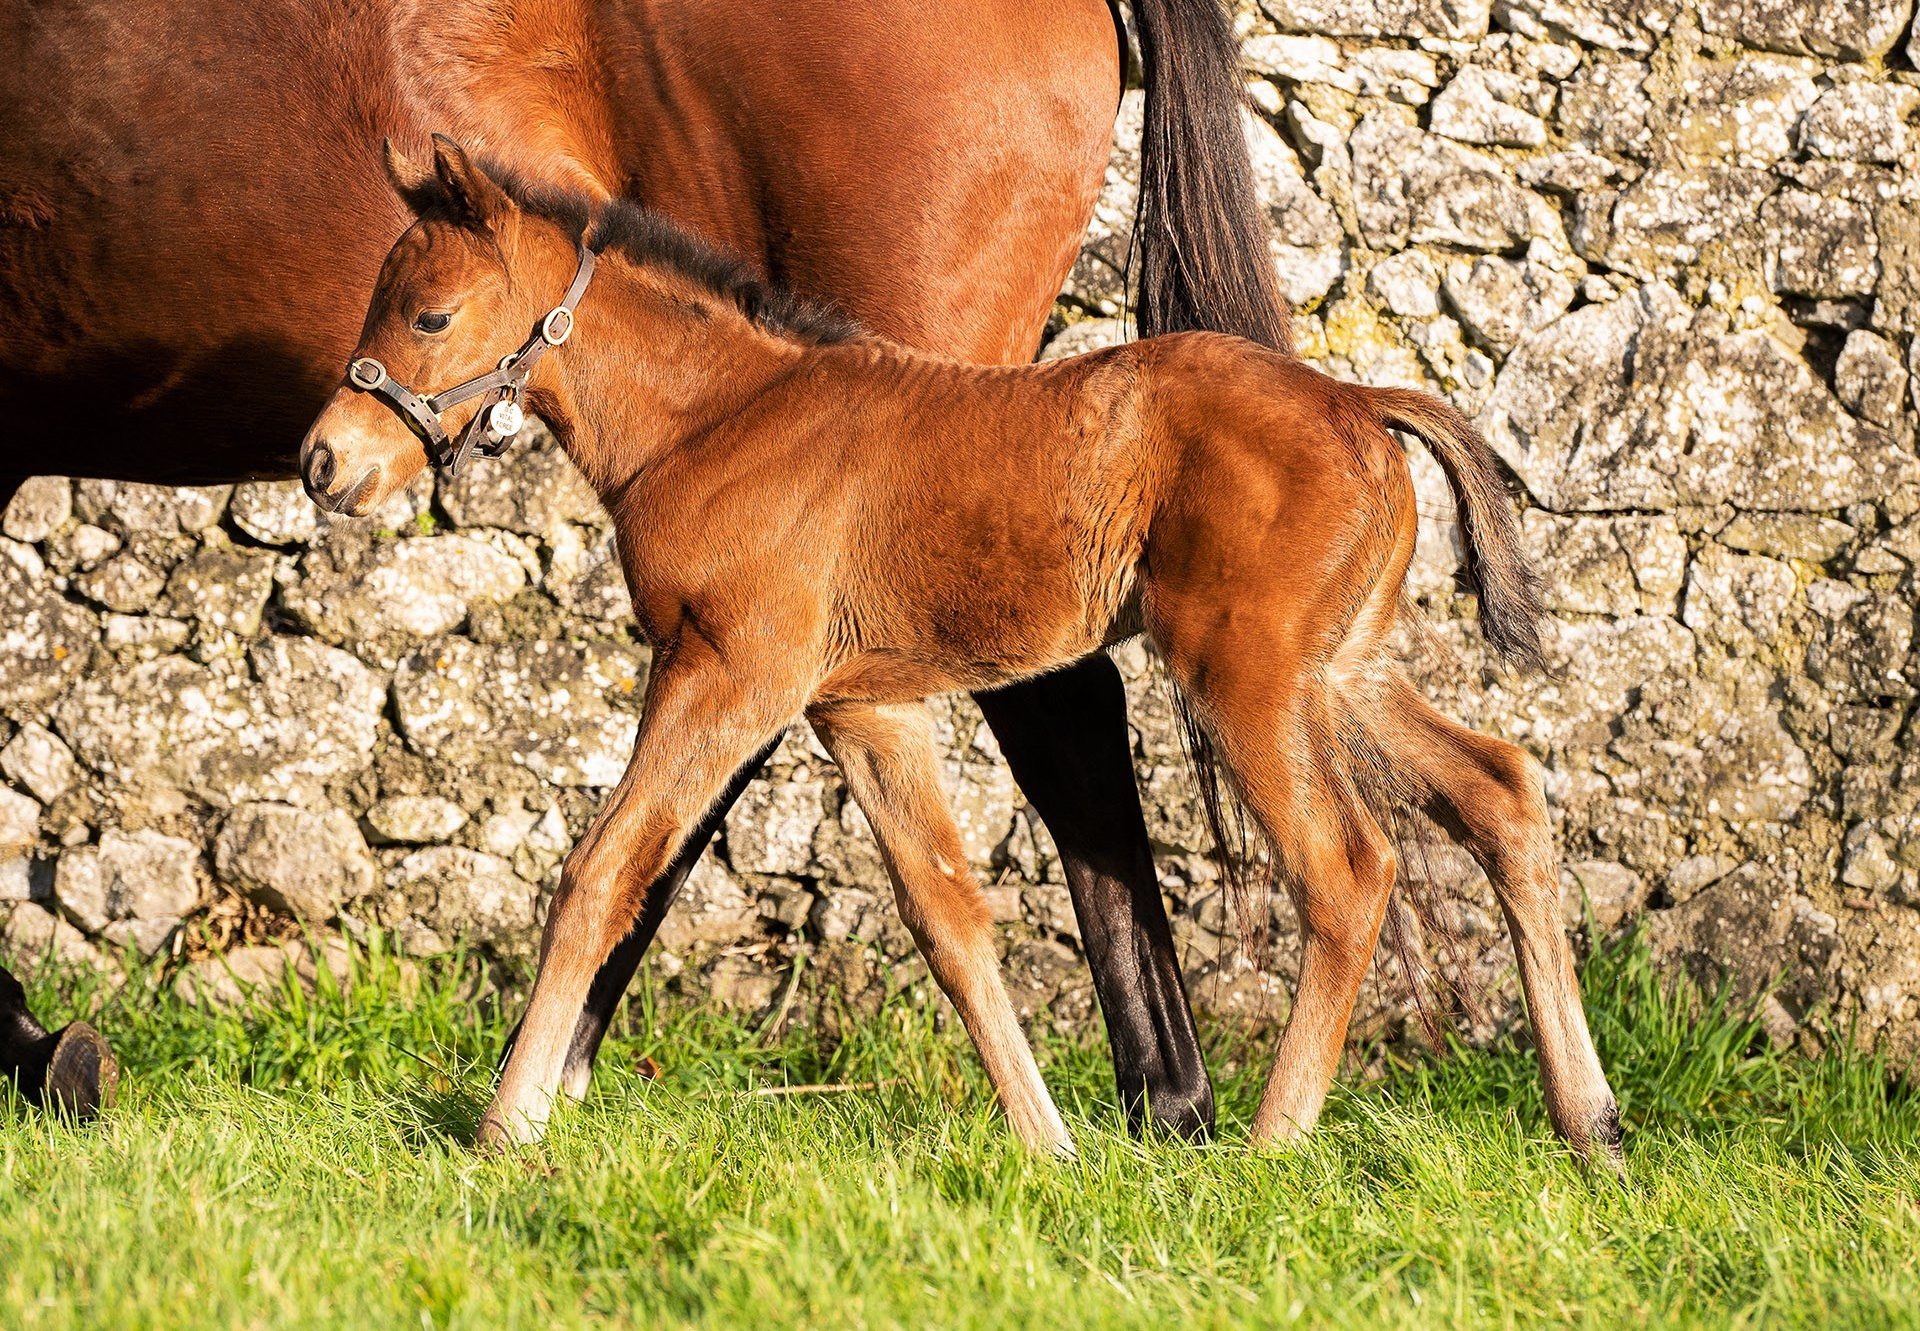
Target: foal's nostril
320 468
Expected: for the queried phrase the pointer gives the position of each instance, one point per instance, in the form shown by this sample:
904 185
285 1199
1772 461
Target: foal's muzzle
318 470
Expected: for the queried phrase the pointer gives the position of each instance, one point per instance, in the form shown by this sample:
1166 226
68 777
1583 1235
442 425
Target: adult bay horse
921 525
192 210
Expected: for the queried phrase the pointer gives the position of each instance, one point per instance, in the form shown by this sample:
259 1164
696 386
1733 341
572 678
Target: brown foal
815 522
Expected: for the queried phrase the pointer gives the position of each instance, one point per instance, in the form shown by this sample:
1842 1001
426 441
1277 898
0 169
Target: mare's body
921 525
192 211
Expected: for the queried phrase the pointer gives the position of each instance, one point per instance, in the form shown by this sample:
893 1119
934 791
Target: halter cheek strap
500 386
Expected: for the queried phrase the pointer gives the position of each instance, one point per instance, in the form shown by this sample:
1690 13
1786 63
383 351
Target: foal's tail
1510 608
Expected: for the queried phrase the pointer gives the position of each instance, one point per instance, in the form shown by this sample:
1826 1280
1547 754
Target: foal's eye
432 321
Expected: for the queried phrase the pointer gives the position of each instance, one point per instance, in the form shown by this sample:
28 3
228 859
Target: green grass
305 1165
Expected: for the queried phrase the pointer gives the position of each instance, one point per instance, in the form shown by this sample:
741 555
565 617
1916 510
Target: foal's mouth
349 502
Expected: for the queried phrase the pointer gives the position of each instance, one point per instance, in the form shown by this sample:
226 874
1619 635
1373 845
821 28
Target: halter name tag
505 419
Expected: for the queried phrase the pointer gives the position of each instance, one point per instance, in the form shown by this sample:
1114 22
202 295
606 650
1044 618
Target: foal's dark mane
627 227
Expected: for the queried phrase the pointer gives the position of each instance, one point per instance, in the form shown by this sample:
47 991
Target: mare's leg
886 755
1065 737
73 1069
616 973
702 722
1486 794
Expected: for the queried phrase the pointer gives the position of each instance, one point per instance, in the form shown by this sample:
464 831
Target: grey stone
125 582
1408 284
36 758
1374 19
44 638
1867 861
1575 172
1869 378
19 822
770 828
1742 599
414 820
1500 301
33 933
145 636
274 512
151 509
299 715
1861 122
1401 75
224 590
1306 231
1607 24
584 575
532 490
712 909
1084 336
1608 566
741 984
1492 107
362 590
1635 404
307 865
1605 108
1417 188
1298 58
148 938
261 972
451 894
85 546
38 509
1787 535
16 879
546 706
1857 30
1608 892
129 876
1664 222
1820 246
1743 110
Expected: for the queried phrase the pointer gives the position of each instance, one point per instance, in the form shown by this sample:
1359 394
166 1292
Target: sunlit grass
304 1163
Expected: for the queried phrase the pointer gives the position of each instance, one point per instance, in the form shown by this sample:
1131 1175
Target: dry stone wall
1667 254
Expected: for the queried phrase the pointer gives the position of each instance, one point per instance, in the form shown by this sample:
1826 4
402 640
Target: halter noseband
498 418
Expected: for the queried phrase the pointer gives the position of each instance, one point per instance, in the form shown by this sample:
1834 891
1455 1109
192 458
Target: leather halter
501 384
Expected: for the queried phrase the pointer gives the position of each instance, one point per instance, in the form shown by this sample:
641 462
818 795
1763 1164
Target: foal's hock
821 523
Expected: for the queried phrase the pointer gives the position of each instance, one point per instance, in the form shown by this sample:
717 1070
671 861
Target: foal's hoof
82 1078
496 1136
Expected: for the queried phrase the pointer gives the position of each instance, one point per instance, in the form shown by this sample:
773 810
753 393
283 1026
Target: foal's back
963 525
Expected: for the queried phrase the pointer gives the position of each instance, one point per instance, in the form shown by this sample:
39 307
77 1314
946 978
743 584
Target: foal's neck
651 366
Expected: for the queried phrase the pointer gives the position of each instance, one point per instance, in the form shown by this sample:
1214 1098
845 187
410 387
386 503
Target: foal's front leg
887 757
702 722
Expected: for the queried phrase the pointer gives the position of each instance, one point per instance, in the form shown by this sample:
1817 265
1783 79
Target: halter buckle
366 374
564 317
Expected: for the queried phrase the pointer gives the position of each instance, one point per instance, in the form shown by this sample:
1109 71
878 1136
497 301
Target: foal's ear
415 183
472 195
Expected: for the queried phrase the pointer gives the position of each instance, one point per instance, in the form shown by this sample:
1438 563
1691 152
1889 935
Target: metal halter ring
565 316
367 374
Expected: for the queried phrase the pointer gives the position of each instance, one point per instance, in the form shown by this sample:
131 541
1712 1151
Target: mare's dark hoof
82 1075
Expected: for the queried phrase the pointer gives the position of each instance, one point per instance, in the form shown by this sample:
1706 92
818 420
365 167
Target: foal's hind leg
1339 866
887 757
1486 794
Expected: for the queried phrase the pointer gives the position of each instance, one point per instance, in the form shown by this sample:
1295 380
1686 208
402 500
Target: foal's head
462 287
484 262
